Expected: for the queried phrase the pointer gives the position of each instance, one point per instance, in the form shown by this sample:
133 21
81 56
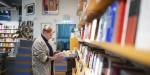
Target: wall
14 15
66 7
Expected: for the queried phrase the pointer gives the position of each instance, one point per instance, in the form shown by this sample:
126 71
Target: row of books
6 35
8 40
117 24
92 62
7 44
3 50
8 31
8 27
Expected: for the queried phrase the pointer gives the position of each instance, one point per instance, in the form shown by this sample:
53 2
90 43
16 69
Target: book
111 16
82 33
91 60
104 27
99 65
93 31
117 36
88 57
89 30
96 31
107 65
142 38
94 64
100 27
132 22
125 23
86 32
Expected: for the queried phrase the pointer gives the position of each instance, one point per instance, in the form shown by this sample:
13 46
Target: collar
44 38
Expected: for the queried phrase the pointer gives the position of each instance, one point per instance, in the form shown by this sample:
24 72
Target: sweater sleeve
39 51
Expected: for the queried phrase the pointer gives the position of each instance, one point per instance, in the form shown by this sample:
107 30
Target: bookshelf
114 36
129 52
8 38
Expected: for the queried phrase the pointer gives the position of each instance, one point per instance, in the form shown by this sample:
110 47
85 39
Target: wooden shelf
140 56
94 9
98 6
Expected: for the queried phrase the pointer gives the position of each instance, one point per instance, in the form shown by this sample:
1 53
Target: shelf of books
8 37
92 61
84 63
129 52
119 28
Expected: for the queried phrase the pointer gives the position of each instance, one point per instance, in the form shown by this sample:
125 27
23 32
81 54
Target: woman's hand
56 52
58 56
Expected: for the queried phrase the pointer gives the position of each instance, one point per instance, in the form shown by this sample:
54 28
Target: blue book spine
112 10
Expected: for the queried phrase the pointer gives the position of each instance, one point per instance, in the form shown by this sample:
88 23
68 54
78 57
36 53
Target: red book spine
131 30
132 22
120 20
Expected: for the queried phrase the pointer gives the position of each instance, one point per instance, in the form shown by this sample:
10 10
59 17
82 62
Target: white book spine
143 29
94 24
125 22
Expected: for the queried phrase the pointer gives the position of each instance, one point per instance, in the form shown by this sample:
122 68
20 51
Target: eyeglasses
53 32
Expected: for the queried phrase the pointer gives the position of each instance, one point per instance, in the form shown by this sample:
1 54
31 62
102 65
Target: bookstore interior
74 37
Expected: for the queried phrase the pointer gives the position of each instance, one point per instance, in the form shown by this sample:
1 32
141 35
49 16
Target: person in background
43 56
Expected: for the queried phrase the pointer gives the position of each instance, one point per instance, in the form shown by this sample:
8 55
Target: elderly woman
42 54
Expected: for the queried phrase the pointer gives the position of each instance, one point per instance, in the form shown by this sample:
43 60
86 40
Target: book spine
132 22
111 21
